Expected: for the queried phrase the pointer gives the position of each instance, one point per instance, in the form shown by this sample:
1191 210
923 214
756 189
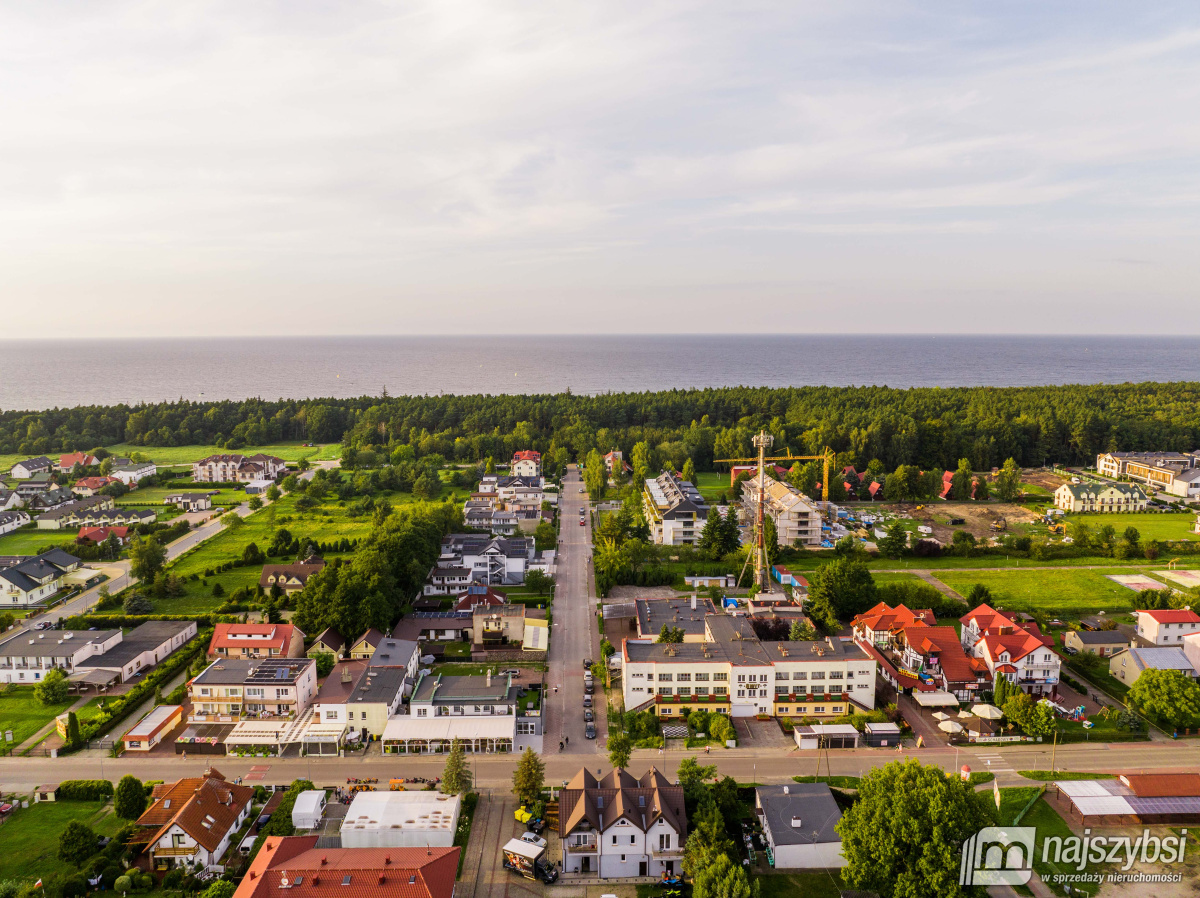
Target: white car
534 839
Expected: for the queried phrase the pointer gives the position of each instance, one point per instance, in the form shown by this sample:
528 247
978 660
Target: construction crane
762 442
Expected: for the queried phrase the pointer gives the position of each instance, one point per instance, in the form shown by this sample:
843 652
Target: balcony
667 853
587 846
176 851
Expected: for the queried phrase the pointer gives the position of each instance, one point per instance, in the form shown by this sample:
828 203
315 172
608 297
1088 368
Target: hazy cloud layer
208 168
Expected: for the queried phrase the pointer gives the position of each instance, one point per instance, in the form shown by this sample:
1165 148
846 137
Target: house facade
916 655
1101 498
134 472
250 641
1176 473
237 468
67 463
1166 626
23 470
526 463
12 520
32 581
1128 664
1016 651
29 655
797 519
675 510
192 821
69 514
290 577
90 486
619 825
229 690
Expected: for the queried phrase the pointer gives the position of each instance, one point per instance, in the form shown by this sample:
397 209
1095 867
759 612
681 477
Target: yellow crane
762 442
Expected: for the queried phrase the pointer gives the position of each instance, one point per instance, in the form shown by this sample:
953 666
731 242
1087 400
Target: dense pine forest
929 427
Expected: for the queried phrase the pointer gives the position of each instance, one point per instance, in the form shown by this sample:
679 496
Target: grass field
711 485
178 455
31 837
28 540
153 496
1066 593
1149 525
810 885
1013 800
24 715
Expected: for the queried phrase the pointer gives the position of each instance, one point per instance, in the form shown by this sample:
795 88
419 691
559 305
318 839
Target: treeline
927 427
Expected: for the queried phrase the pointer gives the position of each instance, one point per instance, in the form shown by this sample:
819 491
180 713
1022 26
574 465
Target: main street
574 636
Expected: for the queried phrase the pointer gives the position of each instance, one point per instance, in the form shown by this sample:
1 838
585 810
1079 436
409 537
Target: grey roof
75 506
7 517
143 638
379 684
441 690
49 564
257 671
225 672
746 651
40 462
653 614
1101 637
52 643
394 652
1164 658
812 803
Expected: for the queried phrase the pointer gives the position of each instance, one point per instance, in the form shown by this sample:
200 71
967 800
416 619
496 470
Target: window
818 675
800 675
664 690
762 678
835 675
836 688
332 715
701 690
664 677
633 840
685 678
701 678
782 675
800 690
721 677
422 712
614 840
849 675
720 690
783 709
741 693
684 690
781 689
819 709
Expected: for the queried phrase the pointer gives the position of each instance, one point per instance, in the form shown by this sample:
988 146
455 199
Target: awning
405 728
935 699
319 731
258 732
94 676
537 636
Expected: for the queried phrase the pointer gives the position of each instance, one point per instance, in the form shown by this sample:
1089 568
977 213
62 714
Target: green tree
595 477
722 878
428 486
894 544
129 800
222 888
1008 481
961 482
77 843
52 690
802 631
74 739
903 836
273 493
146 557
529 777
694 776
983 490
689 471
641 461
620 748
1167 696
540 582
1018 707
720 728
544 536
979 595
670 634
770 539
325 663
136 603
255 503
838 591
456 775
233 521
712 537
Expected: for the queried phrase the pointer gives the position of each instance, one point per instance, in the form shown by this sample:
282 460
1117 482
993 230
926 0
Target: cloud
324 166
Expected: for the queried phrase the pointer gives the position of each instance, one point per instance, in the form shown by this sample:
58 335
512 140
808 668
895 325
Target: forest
926 427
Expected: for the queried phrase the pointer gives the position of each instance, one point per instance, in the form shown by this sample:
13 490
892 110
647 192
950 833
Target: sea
42 374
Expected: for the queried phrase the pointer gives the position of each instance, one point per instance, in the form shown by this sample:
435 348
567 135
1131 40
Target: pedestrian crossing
995 763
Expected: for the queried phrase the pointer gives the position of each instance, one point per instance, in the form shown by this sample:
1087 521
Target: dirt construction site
981 521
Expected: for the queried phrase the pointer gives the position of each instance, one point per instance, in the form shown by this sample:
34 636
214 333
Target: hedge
84 790
108 621
122 706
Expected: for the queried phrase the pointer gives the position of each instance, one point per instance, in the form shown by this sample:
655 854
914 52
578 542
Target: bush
52 690
138 604
85 790
123 884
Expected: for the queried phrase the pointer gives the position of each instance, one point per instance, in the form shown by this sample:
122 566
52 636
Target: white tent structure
401 819
429 735
987 712
308 809
935 699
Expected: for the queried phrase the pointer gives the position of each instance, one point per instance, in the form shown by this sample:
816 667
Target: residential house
361 697
1191 648
97 535
34 485
237 468
329 641
436 695
1176 473
526 463
1104 498
402 653
192 821
188 502
675 510
1017 651
131 473
479 595
71 513
12 520
312 872
734 672
1129 663
90 486
54 496
230 689
1166 626
799 822
620 826
1097 642
616 460
27 656
473 558
140 649
256 641
26 582
481 711
67 463
10 499
797 519
24 470
290 577
501 625
914 653
153 728
364 647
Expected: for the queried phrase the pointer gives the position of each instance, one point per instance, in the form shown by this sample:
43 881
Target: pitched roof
331 638
884 617
268 636
619 795
301 571
1163 785
206 810
943 642
71 459
314 872
371 638
1172 615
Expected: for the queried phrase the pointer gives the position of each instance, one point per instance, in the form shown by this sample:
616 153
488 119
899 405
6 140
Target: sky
206 168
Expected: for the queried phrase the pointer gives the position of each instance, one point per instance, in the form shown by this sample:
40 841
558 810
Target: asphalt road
574 635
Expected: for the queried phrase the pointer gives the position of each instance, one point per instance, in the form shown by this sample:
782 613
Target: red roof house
71 459
100 534
256 641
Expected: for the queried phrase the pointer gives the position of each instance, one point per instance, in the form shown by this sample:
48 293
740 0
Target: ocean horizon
42 374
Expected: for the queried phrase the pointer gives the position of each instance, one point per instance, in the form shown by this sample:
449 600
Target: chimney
345 675
693 601
797 823
489 678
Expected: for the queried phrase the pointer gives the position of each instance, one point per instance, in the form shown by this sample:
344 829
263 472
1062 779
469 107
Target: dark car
588 687
589 731
587 663
102 842
587 701
262 821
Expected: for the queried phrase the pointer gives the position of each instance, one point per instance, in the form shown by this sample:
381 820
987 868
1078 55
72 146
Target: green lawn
469 669
1164 526
710 484
153 496
895 577
826 884
178 455
24 715
28 540
1049 776
1013 800
31 837
1068 593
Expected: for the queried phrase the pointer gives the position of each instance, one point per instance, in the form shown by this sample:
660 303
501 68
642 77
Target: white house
32 581
237 468
1104 498
622 826
798 821
142 648
526 463
135 472
1017 651
12 520
1167 626
27 656
10 499
23 470
194 819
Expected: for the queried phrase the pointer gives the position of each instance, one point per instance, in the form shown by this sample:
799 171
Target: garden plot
1136 582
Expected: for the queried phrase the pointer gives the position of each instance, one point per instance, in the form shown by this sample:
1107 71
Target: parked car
262 821
587 664
510 672
533 839
43 625
588 687
587 701
588 715
589 732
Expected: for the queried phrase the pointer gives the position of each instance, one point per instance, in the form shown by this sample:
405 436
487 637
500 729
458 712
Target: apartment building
237 468
1166 626
620 825
474 558
675 510
231 689
526 463
1017 651
797 520
256 641
69 514
1177 473
29 655
1103 498
734 672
